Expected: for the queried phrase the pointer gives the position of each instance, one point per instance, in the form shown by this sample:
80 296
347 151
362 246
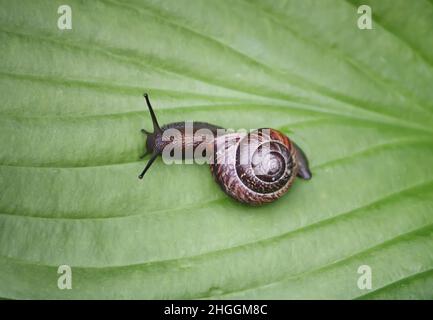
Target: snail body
254 168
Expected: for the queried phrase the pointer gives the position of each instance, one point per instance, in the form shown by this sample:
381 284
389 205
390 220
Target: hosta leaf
359 102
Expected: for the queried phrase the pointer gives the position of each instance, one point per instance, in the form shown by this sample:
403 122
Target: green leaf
359 102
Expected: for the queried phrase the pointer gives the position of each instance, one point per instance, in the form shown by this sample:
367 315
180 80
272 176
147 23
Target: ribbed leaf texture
359 102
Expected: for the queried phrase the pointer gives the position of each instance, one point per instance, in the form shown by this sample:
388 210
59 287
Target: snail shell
255 168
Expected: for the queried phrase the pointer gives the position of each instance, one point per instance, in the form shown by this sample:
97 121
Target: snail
254 168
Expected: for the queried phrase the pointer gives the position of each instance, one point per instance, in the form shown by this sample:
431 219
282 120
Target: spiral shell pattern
254 168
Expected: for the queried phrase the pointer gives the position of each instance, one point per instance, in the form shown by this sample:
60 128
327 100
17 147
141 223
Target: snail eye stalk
148 164
156 127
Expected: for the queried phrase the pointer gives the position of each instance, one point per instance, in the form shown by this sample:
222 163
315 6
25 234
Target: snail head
152 145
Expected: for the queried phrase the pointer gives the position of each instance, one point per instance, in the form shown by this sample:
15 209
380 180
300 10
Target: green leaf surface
359 102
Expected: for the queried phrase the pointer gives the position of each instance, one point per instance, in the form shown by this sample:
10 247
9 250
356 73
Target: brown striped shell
254 168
